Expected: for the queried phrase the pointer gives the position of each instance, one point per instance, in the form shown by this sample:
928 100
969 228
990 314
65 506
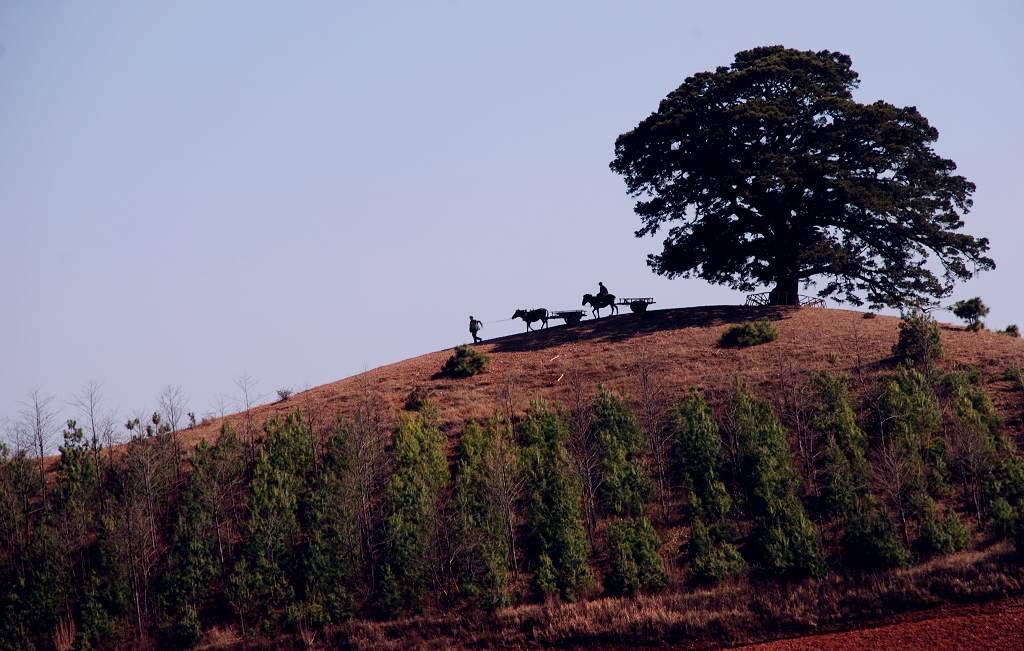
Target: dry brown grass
733 613
681 345
64 634
220 637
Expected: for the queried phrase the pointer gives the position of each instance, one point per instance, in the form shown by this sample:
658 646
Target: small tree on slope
623 486
785 542
972 310
869 539
413 493
482 544
556 540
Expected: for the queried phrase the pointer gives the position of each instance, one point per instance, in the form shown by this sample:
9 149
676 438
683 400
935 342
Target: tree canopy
768 172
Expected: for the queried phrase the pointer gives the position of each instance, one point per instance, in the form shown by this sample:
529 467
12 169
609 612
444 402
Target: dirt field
996 626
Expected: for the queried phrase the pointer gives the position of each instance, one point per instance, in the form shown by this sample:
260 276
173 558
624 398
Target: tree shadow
628 325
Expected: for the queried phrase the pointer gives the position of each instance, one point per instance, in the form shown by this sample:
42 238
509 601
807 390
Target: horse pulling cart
573 317
637 305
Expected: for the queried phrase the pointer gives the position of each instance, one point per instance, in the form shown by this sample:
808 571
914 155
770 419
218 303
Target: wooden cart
637 305
571 317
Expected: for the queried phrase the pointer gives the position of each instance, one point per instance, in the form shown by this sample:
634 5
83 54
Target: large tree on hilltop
768 172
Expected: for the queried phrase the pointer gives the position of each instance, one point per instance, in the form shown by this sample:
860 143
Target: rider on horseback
603 299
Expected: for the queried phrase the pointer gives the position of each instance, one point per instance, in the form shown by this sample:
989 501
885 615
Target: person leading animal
474 327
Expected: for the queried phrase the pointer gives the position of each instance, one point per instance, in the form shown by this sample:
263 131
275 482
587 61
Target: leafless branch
36 426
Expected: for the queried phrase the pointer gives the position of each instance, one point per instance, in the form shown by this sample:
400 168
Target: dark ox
529 316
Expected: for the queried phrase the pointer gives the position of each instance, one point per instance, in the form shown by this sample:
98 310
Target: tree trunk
786 292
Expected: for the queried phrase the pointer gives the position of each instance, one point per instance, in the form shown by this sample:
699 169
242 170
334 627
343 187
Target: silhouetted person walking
474 327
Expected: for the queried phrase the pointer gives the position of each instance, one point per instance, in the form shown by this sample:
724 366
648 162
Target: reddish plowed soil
996 626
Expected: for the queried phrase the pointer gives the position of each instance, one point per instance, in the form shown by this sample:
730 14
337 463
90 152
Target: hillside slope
277 500
679 346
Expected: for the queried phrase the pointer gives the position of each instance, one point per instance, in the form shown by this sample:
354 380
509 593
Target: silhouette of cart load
637 305
571 317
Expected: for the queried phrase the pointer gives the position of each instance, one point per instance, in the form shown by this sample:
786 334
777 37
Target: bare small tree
508 400
368 445
35 428
10 435
858 345
505 481
99 424
247 388
583 451
147 487
969 457
651 409
894 473
317 418
19 487
222 406
794 400
171 403
729 417
226 494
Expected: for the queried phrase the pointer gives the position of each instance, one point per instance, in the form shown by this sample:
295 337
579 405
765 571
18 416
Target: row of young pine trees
301 531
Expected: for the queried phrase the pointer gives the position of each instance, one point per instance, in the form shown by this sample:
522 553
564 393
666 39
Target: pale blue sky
190 191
